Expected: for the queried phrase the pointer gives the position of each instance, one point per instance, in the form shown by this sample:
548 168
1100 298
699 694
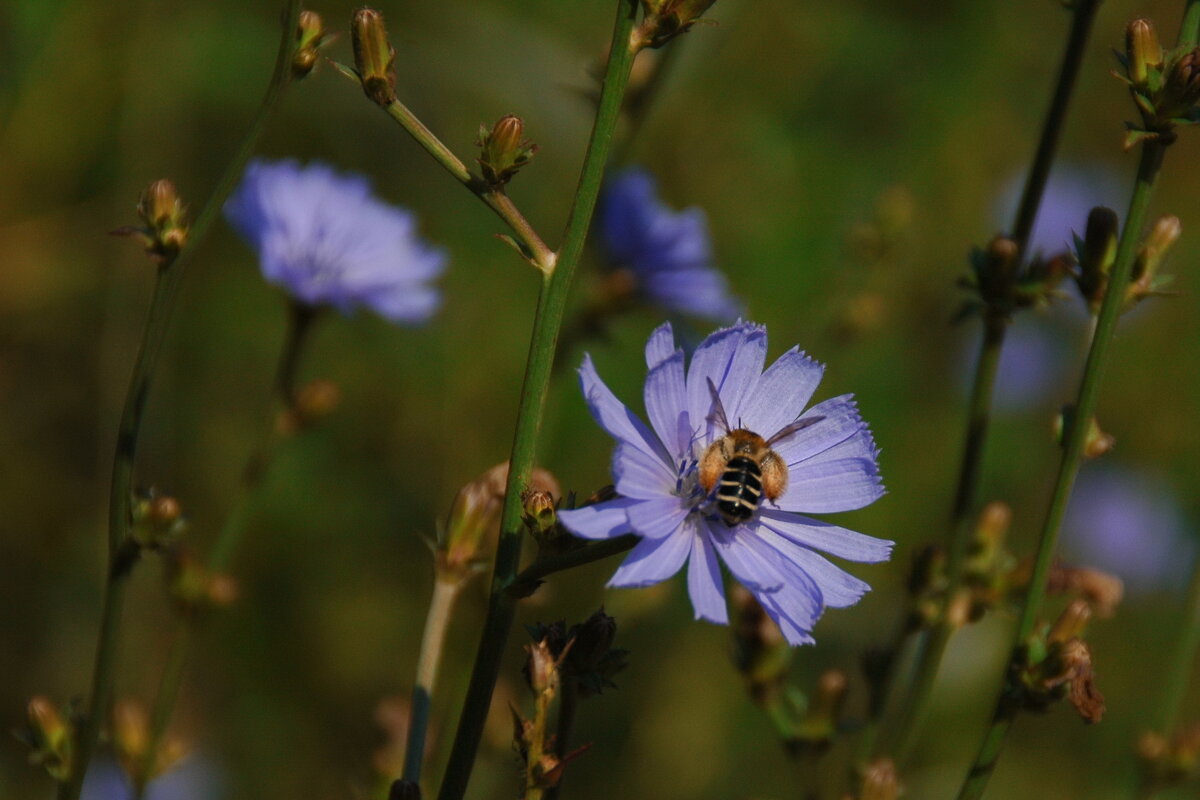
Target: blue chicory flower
668 252
831 466
1130 524
327 240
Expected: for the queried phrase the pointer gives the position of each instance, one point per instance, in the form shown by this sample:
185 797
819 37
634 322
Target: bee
742 466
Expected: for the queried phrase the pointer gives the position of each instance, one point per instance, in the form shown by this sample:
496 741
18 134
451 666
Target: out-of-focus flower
667 253
193 779
327 240
826 456
1071 192
1034 364
1128 524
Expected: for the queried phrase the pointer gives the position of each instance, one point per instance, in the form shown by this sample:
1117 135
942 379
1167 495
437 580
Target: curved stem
119 498
1189 31
546 326
1075 440
1181 660
568 704
913 696
164 702
492 196
437 622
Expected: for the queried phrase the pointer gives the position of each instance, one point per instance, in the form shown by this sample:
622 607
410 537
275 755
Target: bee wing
795 427
718 410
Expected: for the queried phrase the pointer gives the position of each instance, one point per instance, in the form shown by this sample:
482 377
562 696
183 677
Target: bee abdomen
739 490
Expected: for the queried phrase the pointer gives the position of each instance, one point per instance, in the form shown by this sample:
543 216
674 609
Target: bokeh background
847 154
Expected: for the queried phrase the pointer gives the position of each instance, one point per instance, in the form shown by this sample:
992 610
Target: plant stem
568 704
1075 440
492 196
547 323
119 498
164 702
1181 661
299 324
437 622
913 697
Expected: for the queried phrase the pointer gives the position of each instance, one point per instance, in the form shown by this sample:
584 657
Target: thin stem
492 196
1076 438
119 498
437 622
230 535
164 702
1181 661
552 298
914 697
567 706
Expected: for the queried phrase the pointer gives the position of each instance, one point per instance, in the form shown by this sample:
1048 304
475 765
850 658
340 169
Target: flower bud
374 57
504 150
1181 88
541 667
666 19
313 402
539 513
475 516
194 587
1096 442
310 35
1096 255
830 696
131 741
880 781
1146 280
1071 623
51 737
1143 53
164 229
158 521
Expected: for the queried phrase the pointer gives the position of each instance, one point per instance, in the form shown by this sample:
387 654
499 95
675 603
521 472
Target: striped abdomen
739 490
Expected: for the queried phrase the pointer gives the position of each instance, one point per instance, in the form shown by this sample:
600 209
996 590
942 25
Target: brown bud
504 150
310 34
880 781
541 668
315 400
1071 623
374 57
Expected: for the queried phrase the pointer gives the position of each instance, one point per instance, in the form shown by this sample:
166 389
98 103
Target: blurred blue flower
830 466
1035 370
668 252
1129 524
327 240
1071 192
192 779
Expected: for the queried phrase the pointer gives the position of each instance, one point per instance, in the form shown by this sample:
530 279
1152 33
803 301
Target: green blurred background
794 125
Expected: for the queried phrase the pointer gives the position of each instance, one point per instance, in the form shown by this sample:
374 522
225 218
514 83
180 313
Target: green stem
492 196
164 702
1076 438
913 699
437 622
567 706
1181 660
165 291
552 298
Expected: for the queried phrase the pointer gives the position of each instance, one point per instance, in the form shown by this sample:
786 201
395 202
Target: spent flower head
751 517
327 240
667 253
